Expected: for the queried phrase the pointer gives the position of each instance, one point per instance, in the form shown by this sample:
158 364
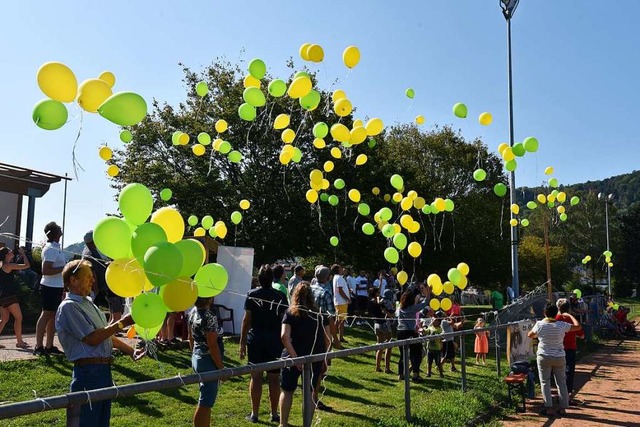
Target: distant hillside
75 248
626 189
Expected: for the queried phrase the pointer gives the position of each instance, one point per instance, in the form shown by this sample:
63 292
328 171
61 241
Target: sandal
22 345
548 412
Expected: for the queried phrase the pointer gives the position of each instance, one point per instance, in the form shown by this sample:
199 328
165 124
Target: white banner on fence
239 265
519 345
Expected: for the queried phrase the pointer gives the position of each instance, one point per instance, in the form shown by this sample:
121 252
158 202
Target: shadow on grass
355 399
142 405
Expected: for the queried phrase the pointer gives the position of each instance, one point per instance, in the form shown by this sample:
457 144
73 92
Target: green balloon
124 108
207 222
192 256
145 236
479 175
224 147
204 138
563 217
410 93
212 232
555 193
112 237
147 334
333 200
426 209
334 241
202 89
551 204
372 142
126 136
257 68
247 112
511 165
339 184
310 101
166 194
162 263
500 189
531 204
396 181
388 230
175 137
364 209
607 254
236 217
235 156
277 88
49 114
368 228
254 96
525 222
135 203
518 149
530 144
148 310
454 275
192 220
553 182
400 241
460 110
449 205
575 200
297 155
391 255
320 130
346 144
211 279
385 214
301 74
324 197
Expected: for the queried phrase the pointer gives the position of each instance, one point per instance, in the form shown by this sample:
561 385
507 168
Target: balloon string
76 164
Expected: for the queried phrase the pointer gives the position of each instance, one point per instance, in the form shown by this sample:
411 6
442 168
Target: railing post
307 396
497 340
463 363
73 415
407 385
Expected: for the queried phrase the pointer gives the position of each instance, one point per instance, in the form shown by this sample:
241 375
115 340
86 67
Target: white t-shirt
446 329
376 284
551 337
339 282
52 253
362 286
351 283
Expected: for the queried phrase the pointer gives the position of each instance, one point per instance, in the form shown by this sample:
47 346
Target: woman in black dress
9 302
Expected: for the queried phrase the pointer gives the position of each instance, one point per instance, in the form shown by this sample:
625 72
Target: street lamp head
509 8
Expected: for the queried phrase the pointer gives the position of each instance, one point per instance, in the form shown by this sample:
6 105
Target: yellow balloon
220 229
281 122
420 119
406 204
356 123
419 203
463 282
312 196
108 77
561 209
303 51
315 53
351 56
284 158
548 170
328 166
57 81
92 93
375 191
374 127
358 135
180 294
315 176
199 232
198 149
396 229
340 132
300 87
502 147
402 277
406 220
125 277
336 153
515 209
551 197
354 195
342 107
250 81
433 280
316 186
319 143
448 287
221 125
387 197
434 304
105 153
446 304
397 197
338 94
542 198
113 171
216 144
414 249
325 184
183 139
513 222
414 227
171 222
561 197
245 204
440 204
361 159
463 267
507 154
437 289
485 119
288 135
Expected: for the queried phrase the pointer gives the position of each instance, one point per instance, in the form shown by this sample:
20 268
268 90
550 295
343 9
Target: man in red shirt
570 344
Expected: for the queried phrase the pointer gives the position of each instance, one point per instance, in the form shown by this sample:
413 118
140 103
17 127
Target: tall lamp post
508 9
607 201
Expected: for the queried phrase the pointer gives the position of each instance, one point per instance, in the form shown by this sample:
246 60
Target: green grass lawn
358 395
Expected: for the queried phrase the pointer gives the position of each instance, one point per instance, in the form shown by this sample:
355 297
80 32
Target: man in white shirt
381 282
351 285
341 299
362 295
51 290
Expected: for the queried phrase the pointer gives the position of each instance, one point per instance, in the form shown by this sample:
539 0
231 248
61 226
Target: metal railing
74 400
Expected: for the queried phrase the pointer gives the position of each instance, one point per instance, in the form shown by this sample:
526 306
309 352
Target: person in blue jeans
87 341
205 340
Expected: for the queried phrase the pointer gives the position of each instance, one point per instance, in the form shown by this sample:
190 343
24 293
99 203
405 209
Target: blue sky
575 74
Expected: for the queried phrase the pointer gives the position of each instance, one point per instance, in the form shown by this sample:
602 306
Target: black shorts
263 348
361 303
51 297
433 356
448 350
289 376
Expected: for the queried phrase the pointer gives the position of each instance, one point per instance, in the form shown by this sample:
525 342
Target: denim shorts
91 377
202 362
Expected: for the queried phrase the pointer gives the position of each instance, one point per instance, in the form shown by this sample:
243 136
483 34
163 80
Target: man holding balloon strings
88 340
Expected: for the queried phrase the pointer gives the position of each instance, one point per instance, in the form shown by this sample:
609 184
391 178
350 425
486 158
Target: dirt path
608 382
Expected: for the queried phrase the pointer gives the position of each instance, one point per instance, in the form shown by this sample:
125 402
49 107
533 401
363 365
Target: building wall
9 217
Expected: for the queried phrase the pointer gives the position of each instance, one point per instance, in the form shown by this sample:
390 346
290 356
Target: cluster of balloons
216 228
586 259
457 278
203 139
106 154
152 263
58 82
607 258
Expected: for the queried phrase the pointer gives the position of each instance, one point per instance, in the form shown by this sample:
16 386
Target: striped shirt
76 318
551 337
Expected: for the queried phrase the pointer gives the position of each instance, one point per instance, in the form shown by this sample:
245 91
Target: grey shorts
116 304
